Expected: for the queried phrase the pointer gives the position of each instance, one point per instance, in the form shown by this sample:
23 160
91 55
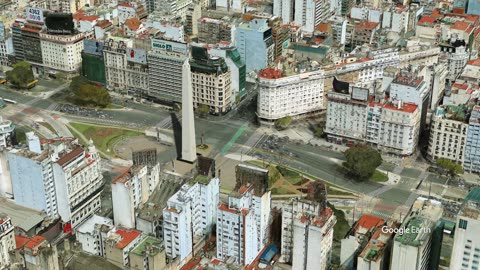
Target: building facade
299 95
471 160
92 234
6 132
7 241
255 44
211 81
62 52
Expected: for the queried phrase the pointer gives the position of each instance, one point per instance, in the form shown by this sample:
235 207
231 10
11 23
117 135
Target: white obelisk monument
189 152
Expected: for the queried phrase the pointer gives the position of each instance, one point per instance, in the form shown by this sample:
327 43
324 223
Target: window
462 224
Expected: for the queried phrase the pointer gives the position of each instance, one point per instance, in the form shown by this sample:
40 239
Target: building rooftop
474 195
89 225
368 222
151 244
367 25
401 107
22 217
27 242
123 177
71 156
270 73
127 237
427 20
133 23
416 230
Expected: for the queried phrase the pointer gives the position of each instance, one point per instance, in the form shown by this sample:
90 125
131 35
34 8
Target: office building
129 191
418 248
165 63
255 44
237 68
466 247
126 69
62 53
7 241
471 160
189 216
290 93
211 81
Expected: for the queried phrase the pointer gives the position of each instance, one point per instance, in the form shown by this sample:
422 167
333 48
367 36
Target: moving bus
32 84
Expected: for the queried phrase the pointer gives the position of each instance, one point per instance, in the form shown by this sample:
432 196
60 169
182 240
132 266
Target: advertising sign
34 14
169 46
136 55
93 47
60 23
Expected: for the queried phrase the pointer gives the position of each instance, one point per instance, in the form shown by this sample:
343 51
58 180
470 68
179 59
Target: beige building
118 245
211 81
66 6
35 253
62 52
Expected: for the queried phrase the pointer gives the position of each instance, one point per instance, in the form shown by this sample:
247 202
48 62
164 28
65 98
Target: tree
450 166
88 94
362 161
20 75
318 132
283 122
203 109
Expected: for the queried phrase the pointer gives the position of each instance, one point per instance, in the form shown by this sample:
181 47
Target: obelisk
189 153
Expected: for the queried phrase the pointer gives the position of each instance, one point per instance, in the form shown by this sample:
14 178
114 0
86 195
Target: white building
129 191
92 234
393 127
6 131
78 182
366 14
466 247
62 52
7 241
455 55
310 13
255 44
437 76
471 161
190 215
347 115
284 10
119 243
299 95
237 232
417 247
313 240
395 19
125 11
231 5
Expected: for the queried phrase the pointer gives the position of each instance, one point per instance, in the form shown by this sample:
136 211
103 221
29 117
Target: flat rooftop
147 243
22 217
416 231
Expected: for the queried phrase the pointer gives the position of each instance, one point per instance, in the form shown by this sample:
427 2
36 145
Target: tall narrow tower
189 153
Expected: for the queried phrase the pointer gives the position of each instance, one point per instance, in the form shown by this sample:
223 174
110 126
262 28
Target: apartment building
129 190
293 94
418 248
165 63
237 228
78 182
126 68
364 33
455 55
255 44
471 159
376 254
393 126
211 81
313 240
40 253
190 215
448 133
346 113
6 132
7 241
62 52
466 247
395 18
212 31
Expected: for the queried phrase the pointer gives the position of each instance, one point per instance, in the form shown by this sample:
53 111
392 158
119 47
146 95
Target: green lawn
114 106
379 176
281 191
292 177
104 137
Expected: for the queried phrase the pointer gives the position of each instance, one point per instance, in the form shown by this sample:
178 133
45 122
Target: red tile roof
459 25
426 20
224 207
124 5
270 73
70 156
30 243
123 177
406 107
133 23
104 24
80 16
367 25
474 62
21 240
368 222
127 237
